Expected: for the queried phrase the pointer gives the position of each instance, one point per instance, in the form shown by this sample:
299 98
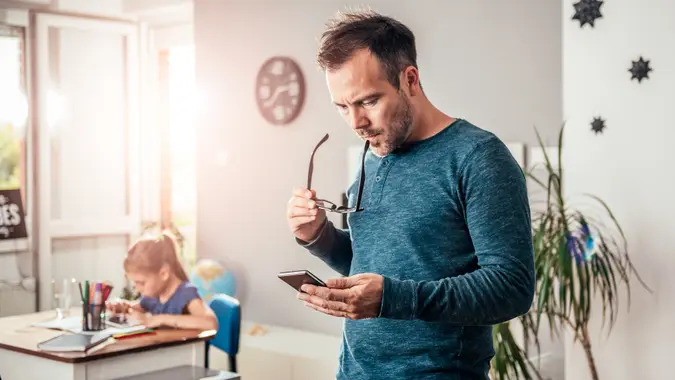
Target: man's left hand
355 297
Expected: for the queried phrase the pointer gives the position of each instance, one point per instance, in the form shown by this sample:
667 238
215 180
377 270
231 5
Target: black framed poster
12 220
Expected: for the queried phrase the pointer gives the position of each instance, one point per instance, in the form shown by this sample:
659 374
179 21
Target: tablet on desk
121 321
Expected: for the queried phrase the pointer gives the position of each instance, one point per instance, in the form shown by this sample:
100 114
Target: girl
167 297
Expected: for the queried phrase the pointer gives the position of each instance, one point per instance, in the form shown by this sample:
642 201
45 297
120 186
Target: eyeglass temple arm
311 162
362 178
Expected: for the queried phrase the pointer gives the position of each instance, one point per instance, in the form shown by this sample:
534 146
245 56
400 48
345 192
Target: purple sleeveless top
177 304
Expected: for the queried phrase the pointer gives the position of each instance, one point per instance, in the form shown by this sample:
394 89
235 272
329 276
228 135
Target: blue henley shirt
446 221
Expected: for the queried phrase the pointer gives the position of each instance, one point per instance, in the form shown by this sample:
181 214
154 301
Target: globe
210 277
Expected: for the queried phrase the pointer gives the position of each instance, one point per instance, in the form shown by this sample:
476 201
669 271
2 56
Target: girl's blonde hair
150 254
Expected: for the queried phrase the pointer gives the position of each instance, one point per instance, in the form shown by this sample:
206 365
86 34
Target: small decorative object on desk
94 297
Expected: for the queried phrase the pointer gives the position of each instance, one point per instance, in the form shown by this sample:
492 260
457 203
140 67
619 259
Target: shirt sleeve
493 190
188 293
333 246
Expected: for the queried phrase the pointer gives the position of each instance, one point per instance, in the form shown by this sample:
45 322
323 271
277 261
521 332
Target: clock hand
276 93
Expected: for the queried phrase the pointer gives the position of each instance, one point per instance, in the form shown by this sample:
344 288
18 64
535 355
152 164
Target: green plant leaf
510 361
569 278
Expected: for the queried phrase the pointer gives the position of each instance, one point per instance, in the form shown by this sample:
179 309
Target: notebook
73 342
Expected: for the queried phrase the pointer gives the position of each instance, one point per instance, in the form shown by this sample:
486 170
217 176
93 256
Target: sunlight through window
183 101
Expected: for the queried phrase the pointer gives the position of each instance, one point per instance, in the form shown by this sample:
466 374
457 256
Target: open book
74 325
71 324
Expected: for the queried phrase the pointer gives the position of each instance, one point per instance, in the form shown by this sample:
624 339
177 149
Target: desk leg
206 355
198 354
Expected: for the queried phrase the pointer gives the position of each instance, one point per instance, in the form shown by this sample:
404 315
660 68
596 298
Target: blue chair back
228 312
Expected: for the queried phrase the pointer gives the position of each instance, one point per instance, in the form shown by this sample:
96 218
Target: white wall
495 64
629 166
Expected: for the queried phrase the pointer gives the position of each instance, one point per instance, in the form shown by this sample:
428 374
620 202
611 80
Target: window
13 109
179 178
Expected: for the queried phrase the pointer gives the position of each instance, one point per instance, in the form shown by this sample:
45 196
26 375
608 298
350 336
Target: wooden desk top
17 334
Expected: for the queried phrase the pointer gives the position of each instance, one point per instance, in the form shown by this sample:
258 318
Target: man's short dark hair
387 39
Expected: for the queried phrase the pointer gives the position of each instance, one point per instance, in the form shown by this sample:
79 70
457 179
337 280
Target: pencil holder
93 317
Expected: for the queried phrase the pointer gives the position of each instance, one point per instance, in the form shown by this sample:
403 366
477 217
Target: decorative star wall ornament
640 70
587 11
598 125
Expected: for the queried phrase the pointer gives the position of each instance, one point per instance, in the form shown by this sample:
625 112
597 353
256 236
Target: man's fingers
328 294
300 211
300 220
302 202
335 313
303 192
341 282
324 303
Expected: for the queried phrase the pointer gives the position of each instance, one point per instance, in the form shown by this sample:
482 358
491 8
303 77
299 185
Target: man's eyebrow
364 98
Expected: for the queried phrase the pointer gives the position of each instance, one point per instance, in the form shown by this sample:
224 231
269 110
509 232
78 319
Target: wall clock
280 90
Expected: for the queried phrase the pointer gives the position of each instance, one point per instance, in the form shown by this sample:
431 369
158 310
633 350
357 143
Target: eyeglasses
328 205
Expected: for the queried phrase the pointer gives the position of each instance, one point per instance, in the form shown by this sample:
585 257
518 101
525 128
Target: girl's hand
118 306
121 306
146 319
139 316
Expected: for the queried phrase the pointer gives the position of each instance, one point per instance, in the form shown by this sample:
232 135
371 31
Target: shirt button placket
380 177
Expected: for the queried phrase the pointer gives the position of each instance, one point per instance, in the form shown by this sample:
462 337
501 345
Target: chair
228 312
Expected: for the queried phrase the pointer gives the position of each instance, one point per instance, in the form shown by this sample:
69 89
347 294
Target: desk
186 372
21 360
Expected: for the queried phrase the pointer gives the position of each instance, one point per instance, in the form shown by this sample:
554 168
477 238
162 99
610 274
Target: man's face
375 109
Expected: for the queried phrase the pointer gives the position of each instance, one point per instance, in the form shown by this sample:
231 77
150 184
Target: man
443 247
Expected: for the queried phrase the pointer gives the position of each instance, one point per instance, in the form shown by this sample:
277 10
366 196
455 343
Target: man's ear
410 79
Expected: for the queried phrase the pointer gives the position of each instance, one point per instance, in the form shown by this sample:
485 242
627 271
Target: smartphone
296 278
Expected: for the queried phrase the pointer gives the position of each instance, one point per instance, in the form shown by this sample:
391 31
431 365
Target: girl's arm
200 317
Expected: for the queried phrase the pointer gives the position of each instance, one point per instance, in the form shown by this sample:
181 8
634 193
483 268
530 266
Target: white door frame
159 38
60 228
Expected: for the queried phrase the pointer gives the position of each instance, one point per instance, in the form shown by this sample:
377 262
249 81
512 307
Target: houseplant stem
586 343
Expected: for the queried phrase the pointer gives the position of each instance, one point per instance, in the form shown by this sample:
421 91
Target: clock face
280 90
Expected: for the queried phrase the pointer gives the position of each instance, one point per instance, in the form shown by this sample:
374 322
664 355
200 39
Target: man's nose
357 120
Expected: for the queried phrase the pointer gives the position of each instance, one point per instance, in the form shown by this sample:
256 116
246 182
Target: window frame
20 19
161 40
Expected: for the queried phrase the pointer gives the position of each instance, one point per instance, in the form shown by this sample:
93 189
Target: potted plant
581 260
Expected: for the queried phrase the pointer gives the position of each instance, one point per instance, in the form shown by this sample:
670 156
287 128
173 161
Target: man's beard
399 129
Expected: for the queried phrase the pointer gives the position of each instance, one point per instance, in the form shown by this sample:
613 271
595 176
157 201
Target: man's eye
369 103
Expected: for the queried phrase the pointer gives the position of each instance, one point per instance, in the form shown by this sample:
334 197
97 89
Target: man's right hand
304 218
